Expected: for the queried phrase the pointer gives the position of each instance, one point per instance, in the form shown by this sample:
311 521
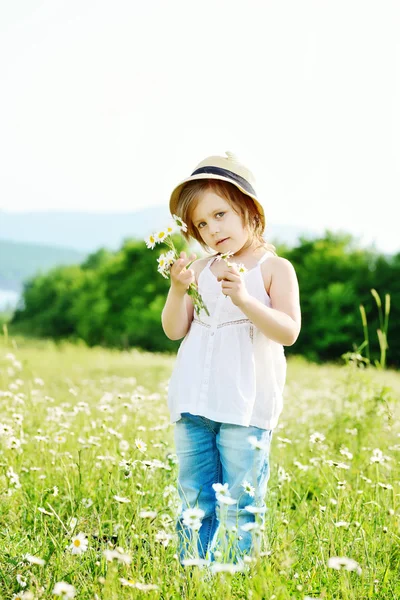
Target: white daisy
248 488
140 445
118 555
224 499
64 590
257 444
317 437
121 499
79 544
342 562
255 509
150 241
147 514
180 224
191 517
160 236
34 560
226 568
222 489
87 502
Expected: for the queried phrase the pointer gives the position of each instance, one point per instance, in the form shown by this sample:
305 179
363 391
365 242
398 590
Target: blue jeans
212 452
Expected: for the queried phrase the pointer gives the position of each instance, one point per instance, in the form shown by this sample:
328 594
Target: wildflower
127 582
163 538
377 456
385 486
341 524
341 485
195 562
342 562
165 262
221 489
191 517
148 514
251 526
282 475
257 444
22 582
226 568
23 596
255 510
72 523
13 477
248 488
121 499
284 440
34 560
140 445
300 466
345 452
13 443
146 587
124 445
180 224
151 241
118 555
64 590
352 431
317 437
79 544
225 256
224 499
160 236
87 502
44 511
338 465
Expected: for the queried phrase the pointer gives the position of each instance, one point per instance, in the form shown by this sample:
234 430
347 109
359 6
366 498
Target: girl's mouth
222 241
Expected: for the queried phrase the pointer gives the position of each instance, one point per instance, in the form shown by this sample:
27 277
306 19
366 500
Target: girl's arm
281 322
177 314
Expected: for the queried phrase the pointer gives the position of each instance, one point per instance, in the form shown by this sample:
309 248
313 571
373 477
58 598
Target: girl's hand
181 277
233 286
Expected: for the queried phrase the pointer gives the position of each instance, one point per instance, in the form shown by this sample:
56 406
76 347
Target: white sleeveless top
226 369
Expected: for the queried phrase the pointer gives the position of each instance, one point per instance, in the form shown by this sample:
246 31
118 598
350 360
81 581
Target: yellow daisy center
161 234
77 543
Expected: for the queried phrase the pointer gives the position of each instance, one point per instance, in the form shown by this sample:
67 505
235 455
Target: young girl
225 393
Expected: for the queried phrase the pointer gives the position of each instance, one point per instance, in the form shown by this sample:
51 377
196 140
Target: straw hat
226 169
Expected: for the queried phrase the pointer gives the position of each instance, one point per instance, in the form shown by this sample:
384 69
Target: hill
19 261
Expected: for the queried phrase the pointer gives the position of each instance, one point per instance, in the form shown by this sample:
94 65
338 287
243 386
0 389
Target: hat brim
173 203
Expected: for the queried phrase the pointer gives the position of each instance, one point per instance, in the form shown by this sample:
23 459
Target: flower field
87 482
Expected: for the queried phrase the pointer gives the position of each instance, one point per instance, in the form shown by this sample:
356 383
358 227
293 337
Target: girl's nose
214 228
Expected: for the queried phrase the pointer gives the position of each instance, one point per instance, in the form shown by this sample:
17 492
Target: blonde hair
241 203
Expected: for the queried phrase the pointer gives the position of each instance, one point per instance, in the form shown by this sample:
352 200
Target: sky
106 106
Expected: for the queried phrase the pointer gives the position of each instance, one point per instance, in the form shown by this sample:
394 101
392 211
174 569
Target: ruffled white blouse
226 369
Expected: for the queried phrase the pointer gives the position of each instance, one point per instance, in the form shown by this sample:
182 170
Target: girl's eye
219 215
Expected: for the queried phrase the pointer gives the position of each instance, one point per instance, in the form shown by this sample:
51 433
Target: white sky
105 106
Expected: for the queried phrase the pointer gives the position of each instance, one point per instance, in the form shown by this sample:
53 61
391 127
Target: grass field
86 448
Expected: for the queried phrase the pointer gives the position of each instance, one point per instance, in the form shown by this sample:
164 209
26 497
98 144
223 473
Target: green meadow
88 470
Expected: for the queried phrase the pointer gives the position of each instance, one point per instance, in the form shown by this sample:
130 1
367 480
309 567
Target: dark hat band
229 175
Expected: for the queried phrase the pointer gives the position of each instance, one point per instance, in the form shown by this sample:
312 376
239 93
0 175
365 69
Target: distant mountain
87 232
19 261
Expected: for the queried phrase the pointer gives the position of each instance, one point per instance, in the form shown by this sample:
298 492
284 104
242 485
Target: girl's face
220 227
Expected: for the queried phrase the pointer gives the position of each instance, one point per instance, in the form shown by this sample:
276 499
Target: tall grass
87 447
